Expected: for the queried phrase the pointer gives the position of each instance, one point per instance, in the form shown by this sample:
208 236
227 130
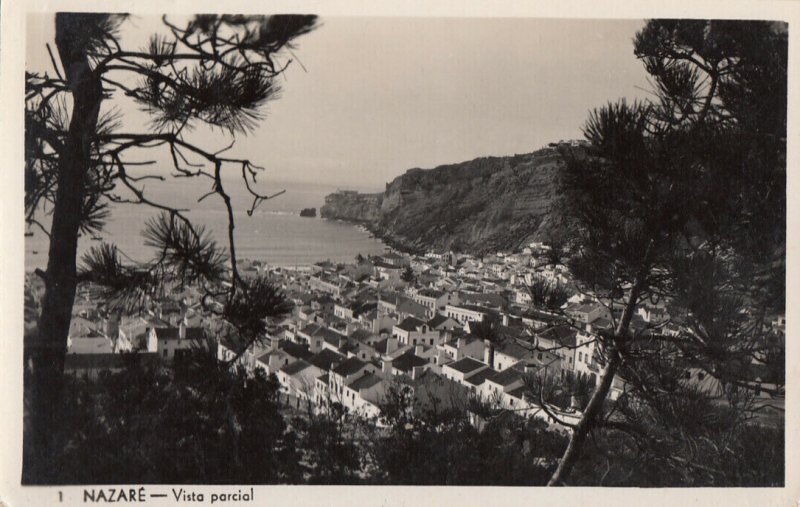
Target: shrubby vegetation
199 422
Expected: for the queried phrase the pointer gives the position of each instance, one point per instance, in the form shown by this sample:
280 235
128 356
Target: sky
366 98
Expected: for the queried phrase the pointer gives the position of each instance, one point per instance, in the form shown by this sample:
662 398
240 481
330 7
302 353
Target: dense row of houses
358 331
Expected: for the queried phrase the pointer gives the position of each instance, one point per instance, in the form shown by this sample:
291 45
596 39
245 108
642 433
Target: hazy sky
382 95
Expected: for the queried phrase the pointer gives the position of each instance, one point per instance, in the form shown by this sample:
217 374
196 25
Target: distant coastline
275 233
476 207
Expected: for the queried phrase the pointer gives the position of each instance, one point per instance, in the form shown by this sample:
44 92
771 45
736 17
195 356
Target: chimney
505 319
182 330
460 343
486 354
334 365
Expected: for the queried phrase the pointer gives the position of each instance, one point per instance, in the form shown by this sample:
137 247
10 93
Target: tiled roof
514 349
311 329
349 366
407 361
518 392
506 377
295 367
325 358
295 349
410 324
564 335
481 376
365 382
264 358
466 365
437 320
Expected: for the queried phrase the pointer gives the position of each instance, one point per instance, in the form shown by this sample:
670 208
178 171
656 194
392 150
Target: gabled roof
365 382
410 324
408 361
601 323
264 358
481 376
514 349
333 337
564 335
518 393
506 377
325 358
466 365
349 366
295 349
295 367
438 320
311 329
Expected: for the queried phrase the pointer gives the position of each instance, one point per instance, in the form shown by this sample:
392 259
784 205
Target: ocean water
275 233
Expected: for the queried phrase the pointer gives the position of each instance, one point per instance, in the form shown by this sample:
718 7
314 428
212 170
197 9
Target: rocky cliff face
353 207
484 205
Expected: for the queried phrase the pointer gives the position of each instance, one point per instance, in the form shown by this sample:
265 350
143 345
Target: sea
275 233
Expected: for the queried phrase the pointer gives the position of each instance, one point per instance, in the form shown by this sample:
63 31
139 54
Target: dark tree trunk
593 409
46 353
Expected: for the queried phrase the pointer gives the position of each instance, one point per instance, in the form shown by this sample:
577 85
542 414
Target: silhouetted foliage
199 422
430 447
216 72
662 207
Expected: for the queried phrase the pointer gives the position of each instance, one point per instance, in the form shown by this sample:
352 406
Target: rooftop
408 361
466 365
437 320
349 366
365 382
295 367
481 376
507 377
410 324
325 358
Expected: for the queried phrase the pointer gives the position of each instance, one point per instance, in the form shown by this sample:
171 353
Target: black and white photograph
308 249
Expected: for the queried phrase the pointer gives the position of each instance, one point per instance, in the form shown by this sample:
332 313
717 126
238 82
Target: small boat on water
28 234
35 252
97 238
